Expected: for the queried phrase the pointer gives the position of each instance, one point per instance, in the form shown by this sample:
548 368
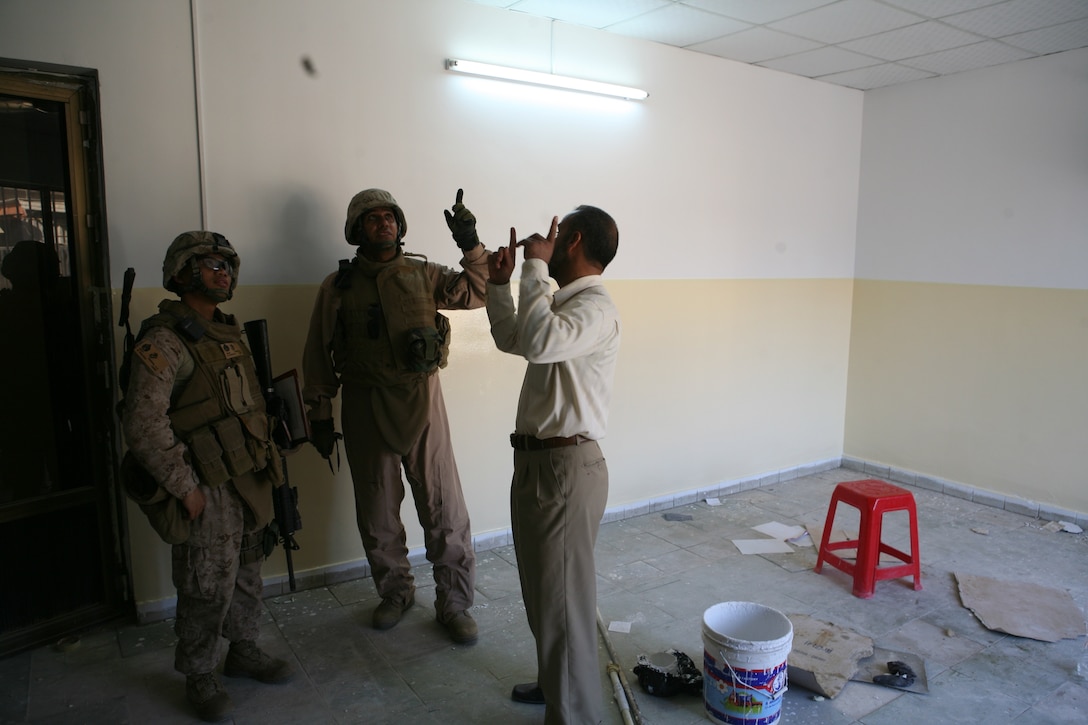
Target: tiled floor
657 574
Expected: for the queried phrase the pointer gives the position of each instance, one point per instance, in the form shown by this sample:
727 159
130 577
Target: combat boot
246 659
461 627
390 610
208 696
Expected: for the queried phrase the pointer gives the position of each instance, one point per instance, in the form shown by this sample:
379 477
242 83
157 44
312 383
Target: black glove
323 436
462 224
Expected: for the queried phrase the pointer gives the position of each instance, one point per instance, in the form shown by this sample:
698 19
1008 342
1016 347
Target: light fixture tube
544 79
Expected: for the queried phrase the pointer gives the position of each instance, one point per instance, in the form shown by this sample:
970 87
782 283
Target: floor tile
657 576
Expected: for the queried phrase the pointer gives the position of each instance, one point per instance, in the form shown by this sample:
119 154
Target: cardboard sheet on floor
1021 608
877 664
824 656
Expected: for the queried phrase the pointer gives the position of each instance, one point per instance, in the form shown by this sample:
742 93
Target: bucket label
743 697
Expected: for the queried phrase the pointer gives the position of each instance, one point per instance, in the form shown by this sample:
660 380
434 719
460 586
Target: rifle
130 341
284 497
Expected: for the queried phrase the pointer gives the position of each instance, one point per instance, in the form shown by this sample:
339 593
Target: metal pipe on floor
619 694
628 706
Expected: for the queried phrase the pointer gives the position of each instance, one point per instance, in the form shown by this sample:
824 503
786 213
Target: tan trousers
557 499
217 595
436 489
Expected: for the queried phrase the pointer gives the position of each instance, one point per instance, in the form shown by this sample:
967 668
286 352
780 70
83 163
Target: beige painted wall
717 381
977 384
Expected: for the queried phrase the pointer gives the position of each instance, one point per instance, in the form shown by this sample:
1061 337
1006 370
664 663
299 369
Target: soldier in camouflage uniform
194 418
377 331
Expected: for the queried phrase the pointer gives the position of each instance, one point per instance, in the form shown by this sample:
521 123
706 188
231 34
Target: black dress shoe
529 693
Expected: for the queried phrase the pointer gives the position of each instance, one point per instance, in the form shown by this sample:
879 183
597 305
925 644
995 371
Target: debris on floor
677 517
780 534
891 668
1021 608
762 546
824 656
816 532
668 673
1056 526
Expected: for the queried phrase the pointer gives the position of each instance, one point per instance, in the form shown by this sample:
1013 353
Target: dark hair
600 235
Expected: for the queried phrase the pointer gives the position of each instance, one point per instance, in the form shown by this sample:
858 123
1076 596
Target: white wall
979 178
725 171
735 190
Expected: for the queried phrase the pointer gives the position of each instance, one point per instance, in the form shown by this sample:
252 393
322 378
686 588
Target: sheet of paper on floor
816 532
762 546
782 532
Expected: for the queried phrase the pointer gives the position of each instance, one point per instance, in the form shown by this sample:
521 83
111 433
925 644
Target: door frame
78 91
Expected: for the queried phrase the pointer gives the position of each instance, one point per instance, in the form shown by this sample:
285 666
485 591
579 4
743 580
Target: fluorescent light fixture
544 79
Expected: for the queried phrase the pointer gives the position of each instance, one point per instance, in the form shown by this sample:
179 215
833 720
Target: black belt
522 442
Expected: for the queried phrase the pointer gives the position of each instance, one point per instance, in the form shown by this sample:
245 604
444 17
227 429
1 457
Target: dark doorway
61 523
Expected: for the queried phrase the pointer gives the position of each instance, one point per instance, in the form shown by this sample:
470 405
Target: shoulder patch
151 356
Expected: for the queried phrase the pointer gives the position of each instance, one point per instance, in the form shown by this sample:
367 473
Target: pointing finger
460 194
555 227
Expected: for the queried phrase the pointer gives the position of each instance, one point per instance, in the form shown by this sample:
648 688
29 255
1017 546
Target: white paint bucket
745 647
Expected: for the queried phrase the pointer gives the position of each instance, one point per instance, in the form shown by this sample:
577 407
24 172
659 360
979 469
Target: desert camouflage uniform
394 418
217 571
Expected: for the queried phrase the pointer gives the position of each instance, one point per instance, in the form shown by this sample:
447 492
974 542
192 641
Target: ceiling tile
846 20
1018 16
913 40
940 8
757 11
820 62
979 55
877 76
828 39
1055 39
755 45
596 14
678 25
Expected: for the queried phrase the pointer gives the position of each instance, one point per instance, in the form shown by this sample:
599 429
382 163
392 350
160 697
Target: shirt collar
565 293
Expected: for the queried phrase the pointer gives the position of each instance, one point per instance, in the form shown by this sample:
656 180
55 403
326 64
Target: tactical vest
219 414
389 331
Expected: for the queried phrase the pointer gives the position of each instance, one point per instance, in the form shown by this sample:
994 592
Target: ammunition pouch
428 347
164 512
270 536
253 545
229 447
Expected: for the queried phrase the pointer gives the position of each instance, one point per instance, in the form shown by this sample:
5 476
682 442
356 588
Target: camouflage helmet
368 200
196 244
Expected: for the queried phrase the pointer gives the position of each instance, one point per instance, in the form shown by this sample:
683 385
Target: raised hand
500 264
462 223
538 247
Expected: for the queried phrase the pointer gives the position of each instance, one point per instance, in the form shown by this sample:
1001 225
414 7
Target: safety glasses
216 265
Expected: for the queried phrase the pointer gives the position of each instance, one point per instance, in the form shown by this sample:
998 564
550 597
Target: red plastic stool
873 499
